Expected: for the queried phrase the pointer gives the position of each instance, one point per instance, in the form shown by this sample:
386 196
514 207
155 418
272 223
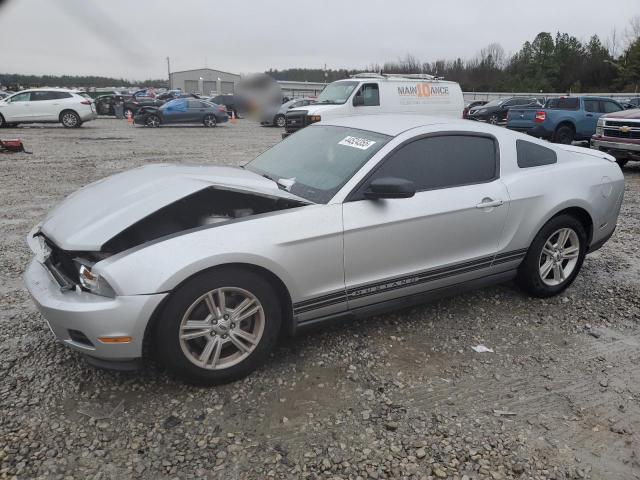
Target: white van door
366 100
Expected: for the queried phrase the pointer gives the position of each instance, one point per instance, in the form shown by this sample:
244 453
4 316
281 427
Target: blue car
182 110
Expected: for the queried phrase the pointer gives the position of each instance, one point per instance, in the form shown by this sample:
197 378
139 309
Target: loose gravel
395 396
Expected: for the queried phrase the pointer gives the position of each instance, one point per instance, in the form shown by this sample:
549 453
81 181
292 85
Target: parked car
182 110
562 120
618 134
136 102
635 102
105 104
469 105
233 103
47 105
495 111
173 94
275 116
207 265
3 94
374 94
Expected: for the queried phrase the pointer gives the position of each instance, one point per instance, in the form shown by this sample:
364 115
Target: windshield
336 93
318 159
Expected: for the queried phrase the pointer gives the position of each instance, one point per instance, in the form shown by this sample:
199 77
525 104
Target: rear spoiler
587 151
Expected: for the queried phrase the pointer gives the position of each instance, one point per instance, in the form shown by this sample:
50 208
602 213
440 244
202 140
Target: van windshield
336 93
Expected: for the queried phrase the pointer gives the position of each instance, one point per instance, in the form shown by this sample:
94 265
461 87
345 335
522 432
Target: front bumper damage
80 319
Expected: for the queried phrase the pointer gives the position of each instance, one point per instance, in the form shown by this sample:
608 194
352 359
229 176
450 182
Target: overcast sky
132 38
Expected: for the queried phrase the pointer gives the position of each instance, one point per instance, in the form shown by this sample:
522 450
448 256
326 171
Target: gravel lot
395 396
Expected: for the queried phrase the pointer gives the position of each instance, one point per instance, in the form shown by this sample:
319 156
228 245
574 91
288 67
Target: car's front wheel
218 326
152 121
280 121
210 121
554 258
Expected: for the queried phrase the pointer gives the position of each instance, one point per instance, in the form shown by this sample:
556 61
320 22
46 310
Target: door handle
488 203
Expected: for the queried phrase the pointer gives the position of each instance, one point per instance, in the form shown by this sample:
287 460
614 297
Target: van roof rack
367 75
408 76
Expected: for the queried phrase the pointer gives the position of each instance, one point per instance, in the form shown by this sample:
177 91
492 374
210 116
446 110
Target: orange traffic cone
233 117
129 117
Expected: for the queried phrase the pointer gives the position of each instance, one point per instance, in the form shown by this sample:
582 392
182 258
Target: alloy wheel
222 328
69 119
280 121
152 121
210 121
559 256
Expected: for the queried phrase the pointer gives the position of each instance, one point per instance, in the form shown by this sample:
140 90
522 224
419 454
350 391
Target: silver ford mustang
204 266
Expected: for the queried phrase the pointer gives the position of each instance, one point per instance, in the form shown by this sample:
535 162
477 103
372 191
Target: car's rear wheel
280 121
564 134
219 326
152 121
70 119
210 121
128 113
554 258
493 119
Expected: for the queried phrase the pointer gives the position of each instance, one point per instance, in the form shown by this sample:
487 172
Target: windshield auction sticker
356 142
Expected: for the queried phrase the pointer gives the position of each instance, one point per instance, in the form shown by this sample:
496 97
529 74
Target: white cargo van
372 93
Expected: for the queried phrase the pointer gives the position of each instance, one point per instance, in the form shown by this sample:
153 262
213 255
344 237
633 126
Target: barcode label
356 142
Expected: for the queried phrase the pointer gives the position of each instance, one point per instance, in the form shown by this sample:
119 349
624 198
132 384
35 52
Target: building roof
206 68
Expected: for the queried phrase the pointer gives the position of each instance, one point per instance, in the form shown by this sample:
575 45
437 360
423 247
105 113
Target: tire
198 300
2 122
70 119
152 121
279 121
493 119
568 258
564 134
210 121
127 112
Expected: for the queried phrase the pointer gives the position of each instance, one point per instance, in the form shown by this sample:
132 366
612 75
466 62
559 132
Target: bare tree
633 30
613 43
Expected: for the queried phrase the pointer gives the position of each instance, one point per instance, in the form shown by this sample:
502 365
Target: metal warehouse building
204 80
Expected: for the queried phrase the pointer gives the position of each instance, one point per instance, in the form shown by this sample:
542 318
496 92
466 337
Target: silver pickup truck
618 134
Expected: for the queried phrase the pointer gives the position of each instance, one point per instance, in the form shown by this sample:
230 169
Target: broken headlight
94 282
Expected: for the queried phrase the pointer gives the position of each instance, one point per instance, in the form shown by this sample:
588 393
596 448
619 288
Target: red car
618 134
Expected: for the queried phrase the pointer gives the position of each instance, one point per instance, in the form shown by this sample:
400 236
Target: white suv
50 105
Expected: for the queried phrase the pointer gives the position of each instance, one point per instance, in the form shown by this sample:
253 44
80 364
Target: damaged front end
206 208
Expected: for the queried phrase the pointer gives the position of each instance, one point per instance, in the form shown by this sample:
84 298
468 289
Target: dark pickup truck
562 120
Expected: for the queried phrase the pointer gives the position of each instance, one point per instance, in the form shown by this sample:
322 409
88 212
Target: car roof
392 124
50 89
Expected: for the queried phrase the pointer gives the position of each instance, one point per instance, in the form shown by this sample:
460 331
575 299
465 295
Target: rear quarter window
533 155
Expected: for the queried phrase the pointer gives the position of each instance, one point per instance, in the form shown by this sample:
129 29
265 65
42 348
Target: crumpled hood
89 217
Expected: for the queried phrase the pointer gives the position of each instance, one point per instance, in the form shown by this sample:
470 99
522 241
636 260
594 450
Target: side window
61 95
610 107
193 104
591 105
443 161
533 155
21 97
370 93
39 96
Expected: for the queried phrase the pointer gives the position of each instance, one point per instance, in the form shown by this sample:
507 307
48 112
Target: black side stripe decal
405 281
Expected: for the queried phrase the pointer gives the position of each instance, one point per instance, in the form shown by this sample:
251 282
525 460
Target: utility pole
169 72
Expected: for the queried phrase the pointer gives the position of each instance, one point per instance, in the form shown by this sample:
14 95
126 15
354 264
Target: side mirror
358 101
390 187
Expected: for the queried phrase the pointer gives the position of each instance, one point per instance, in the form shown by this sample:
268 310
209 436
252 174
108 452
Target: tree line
548 63
13 80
